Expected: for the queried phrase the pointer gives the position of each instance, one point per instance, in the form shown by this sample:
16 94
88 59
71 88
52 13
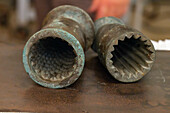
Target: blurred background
19 19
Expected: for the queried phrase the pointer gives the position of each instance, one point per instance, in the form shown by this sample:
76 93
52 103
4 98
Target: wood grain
95 92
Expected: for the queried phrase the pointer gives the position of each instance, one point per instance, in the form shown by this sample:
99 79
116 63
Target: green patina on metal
54 56
126 53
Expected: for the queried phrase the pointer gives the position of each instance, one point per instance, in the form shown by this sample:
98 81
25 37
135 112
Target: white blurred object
162 45
24 12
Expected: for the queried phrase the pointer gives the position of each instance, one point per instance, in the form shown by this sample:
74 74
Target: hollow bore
132 57
52 59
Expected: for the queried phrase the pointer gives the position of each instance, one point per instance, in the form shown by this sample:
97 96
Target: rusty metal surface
126 53
95 92
54 56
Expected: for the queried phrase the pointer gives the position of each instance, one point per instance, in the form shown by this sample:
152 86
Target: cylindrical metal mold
54 56
126 53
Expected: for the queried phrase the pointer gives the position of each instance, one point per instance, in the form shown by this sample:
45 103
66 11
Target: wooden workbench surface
94 92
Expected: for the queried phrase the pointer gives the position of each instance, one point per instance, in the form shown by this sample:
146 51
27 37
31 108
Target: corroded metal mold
126 53
54 56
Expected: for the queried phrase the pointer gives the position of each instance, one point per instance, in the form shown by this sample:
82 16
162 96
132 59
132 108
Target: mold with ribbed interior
126 53
54 56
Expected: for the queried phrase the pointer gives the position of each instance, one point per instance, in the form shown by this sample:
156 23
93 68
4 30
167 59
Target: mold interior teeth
52 56
131 57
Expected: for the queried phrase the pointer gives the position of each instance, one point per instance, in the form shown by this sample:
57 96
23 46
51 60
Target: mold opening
52 58
131 57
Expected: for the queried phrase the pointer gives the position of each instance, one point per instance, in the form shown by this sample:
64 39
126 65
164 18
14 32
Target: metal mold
126 53
54 56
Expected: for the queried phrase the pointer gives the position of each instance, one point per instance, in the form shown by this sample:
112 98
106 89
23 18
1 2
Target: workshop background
19 19
95 91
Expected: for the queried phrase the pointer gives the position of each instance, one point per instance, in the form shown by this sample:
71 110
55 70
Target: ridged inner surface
132 57
52 59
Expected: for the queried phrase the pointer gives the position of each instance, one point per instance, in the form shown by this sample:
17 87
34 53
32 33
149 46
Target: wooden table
94 92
